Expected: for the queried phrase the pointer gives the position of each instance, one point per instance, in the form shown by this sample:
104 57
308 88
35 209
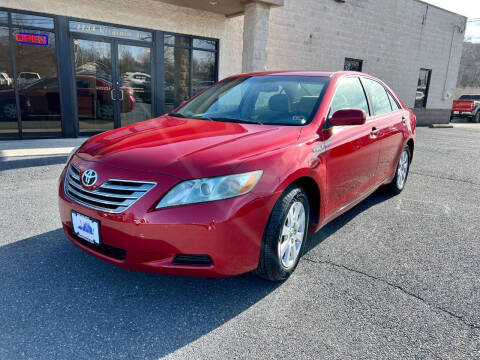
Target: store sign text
33 39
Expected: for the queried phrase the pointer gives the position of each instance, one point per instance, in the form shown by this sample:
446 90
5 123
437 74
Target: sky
468 8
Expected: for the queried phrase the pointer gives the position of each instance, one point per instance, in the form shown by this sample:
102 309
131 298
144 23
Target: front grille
192 260
113 196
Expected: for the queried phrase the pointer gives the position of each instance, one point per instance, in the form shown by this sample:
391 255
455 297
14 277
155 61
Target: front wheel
401 174
285 235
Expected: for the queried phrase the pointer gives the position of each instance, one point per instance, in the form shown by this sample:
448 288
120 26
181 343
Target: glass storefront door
113 82
94 84
134 69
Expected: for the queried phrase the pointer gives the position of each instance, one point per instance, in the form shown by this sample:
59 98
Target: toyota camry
235 179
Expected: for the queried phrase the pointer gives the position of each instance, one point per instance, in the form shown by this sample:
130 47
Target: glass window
378 95
135 71
37 81
284 100
8 106
27 20
349 95
93 63
3 17
176 40
423 86
393 102
353 64
205 44
110 31
188 70
204 68
177 76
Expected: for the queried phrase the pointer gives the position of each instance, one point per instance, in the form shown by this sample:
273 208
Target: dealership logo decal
89 177
32 39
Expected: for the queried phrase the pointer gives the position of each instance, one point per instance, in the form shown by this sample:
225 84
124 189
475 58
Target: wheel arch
411 146
311 188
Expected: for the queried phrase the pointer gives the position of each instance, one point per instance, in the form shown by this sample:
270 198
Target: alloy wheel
402 169
292 235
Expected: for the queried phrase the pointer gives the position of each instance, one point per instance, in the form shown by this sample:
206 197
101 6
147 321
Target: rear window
469 97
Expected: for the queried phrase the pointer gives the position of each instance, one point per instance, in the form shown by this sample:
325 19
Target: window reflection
37 82
203 70
8 107
177 76
26 20
136 80
422 88
188 69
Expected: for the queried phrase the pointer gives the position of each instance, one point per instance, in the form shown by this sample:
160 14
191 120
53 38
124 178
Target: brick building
70 68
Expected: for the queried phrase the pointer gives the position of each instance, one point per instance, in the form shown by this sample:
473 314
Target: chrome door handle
374 133
111 94
121 92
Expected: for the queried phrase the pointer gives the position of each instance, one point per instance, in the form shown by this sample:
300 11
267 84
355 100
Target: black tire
104 111
396 186
476 118
270 265
9 110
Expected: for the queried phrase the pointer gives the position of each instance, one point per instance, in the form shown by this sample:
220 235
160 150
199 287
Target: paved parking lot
394 278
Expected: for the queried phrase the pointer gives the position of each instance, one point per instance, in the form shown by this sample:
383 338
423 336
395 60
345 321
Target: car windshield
470 97
269 99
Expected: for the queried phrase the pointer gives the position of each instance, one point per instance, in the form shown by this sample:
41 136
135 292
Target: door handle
374 132
121 98
404 120
111 94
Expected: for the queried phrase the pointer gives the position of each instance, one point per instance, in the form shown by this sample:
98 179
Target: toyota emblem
89 177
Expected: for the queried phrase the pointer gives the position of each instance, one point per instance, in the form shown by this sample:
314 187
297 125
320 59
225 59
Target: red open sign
34 39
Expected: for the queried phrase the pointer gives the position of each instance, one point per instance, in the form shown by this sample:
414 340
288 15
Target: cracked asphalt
394 278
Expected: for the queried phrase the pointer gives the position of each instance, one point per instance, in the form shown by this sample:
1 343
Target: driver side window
349 95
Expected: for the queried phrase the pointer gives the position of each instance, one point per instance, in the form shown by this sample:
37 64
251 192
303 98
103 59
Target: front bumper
228 231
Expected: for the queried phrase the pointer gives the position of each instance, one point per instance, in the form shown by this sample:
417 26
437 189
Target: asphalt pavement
396 277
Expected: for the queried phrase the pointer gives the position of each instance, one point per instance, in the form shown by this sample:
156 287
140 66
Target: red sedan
235 179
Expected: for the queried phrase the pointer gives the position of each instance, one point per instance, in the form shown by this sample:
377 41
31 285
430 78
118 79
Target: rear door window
378 96
393 102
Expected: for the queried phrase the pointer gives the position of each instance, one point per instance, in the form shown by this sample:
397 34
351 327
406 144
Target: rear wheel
285 235
401 174
476 118
9 110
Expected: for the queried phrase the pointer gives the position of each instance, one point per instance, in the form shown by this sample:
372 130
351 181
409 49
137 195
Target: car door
351 151
389 121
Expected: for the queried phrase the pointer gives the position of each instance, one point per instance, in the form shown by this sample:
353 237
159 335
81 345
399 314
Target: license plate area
86 228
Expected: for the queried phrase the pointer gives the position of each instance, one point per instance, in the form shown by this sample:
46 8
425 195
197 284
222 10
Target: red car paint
340 166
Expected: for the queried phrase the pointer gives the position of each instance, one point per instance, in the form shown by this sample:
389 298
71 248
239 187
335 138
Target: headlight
210 189
72 153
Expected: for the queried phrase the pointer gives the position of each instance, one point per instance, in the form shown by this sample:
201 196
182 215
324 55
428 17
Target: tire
105 111
476 118
275 264
401 173
9 111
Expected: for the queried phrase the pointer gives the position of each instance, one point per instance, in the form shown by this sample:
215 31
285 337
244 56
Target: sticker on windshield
299 119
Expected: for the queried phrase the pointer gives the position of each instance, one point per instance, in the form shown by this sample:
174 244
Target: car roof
304 73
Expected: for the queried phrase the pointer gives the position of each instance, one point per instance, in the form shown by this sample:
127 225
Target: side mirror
348 117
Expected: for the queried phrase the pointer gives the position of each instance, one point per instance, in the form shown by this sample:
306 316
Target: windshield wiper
190 117
177 115
227 119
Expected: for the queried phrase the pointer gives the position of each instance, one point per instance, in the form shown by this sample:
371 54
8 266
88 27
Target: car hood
186 148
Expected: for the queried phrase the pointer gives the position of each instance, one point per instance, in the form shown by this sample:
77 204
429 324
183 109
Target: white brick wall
388 35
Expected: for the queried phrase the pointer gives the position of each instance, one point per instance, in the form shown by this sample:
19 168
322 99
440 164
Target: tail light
127 89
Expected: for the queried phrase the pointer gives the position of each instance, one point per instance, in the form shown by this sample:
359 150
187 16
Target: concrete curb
36 152
441 126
